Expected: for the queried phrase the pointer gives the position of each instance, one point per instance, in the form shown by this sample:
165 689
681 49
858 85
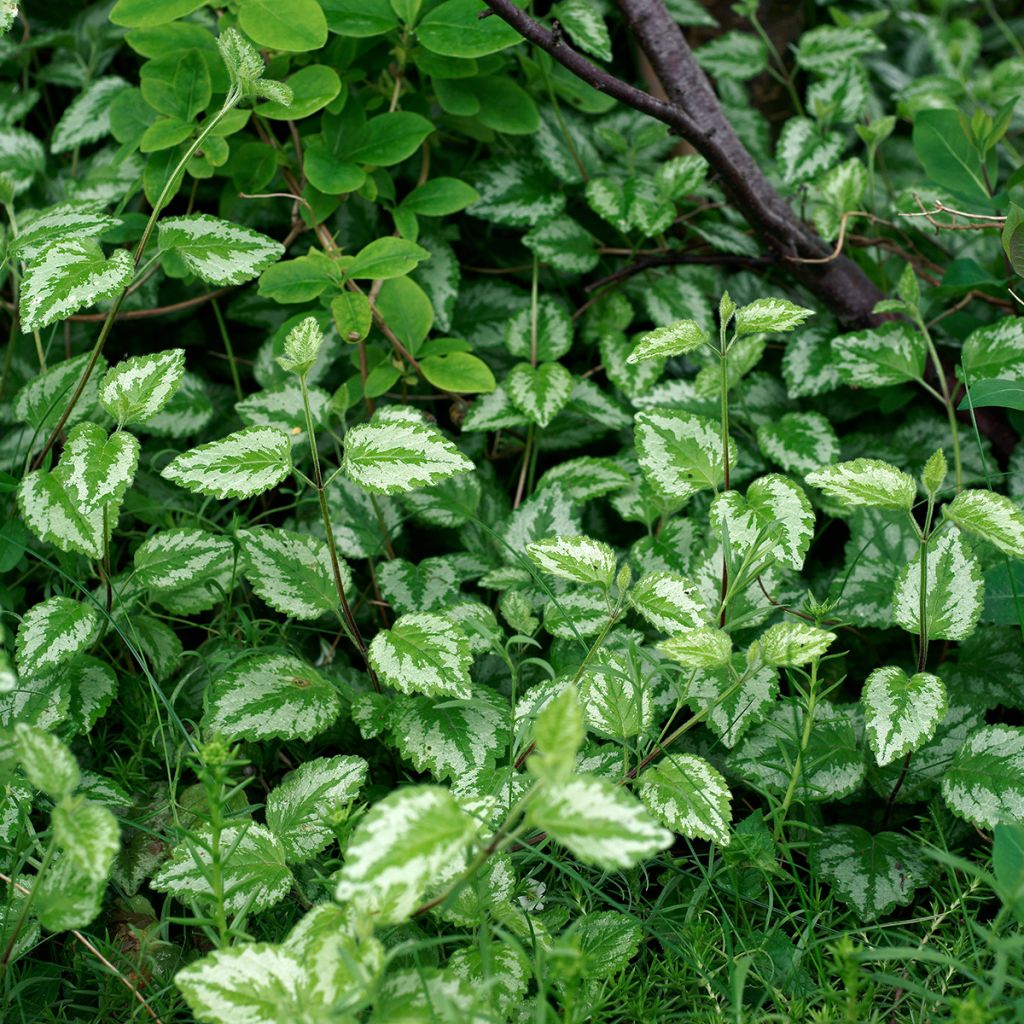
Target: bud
301 346
933 476
624 578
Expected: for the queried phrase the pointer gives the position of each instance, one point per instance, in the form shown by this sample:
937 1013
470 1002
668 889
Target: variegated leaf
688 796
22 156
301 808
586 477
52 632
954 590
42 400
868 482
67 276
992 517
804 151
880 356
732 698
539 392
137 389
403 843
985 782
680 453
900 713
576 613
791 644
544 337
800 442
598 821
291 571
59 223
240 465
705 647
782 506
581 559
616 700
55 518
253 869
423 653
871 872
770 315
389 457
216 250
88 834
284 408
87 118
176 559
271 694
47 762
673 340
669 602
187 411
96 469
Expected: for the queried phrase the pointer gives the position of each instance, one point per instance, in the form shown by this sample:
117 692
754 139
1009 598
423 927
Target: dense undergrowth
479 542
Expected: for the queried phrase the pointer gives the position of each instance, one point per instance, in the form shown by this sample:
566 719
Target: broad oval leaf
88 834
136 389
581 559
985 782
52 632
992 517
423 653
669 602
216 250
539 392
680 453
55 517
869 482
96 469
900 713
175 559
688 796
790 644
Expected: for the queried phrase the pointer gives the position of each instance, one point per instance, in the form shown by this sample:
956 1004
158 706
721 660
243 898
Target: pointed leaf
673 340
985 782
575 558
992 517
680 453
790 644
216 250
423 653
688 796
53 632
669 602
175 559
870 482
891 354
54 517
900 713
240 465
96 469
799 441
137 389
540 392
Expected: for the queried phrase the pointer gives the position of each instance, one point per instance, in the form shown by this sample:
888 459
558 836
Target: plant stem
321 491
947 400
805 738
23 915
724 380
165 195
228 349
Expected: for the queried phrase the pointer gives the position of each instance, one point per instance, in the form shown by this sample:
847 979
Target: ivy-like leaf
900 713
137 389
52 632
690 797
423 653
216 250
985 782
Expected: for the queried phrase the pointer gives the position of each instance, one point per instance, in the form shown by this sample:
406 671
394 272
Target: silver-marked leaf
880 356
985 782
586 477
55 518
807 365
585 26
515 192
598 821
88 834
539 392
267 695
576 613
564 244
581 559
547 513
673 340
423 653
871 872
790 644
992 517
240 465
770 315
688 796
995 351
22 156
59 223
403 843
448 738
68 276
669 602
42 400
284 409
954 590
387 457
706 647
96 469
253 871
800 442
732 698
878 542
804 151
615 699
680 453
901 714
782 507
52 632
67 897
300 810
608 940
47 762
493 411
431 585
869 482
216 250
291 571
176 559
87 118
137 389
91 685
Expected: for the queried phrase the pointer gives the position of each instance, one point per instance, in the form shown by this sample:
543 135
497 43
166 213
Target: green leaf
55 518
739 55
460 373
948 156
39 229
177 85
540 392
301 346
384 258
994 351
175 559
403 843
866 482
68 276
386 139
240 465
455 29
271 694
585 26
136 389
992 517
89 836
581 559
598 821
253 870
680 453
296 25
423 653
669 602
900 713
439 197
770 316
52 632
873 873
41 401
673 340
891 354
558 734
67 897
300 809
96 469
312 88
790 644
145 13
388 457
800 442
1003 394
616 700
448 738
954 590
985 782
1008 866
47 763
216 250
291 571
688 796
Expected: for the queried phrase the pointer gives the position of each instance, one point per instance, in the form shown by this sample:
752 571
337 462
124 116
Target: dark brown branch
694 113
671 259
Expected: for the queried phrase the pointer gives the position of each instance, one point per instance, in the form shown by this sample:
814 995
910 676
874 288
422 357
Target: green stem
724 367
805 738
228 349
165 195
213 781
947 401
25 907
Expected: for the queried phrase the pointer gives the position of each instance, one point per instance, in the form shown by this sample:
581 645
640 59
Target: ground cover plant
511 512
